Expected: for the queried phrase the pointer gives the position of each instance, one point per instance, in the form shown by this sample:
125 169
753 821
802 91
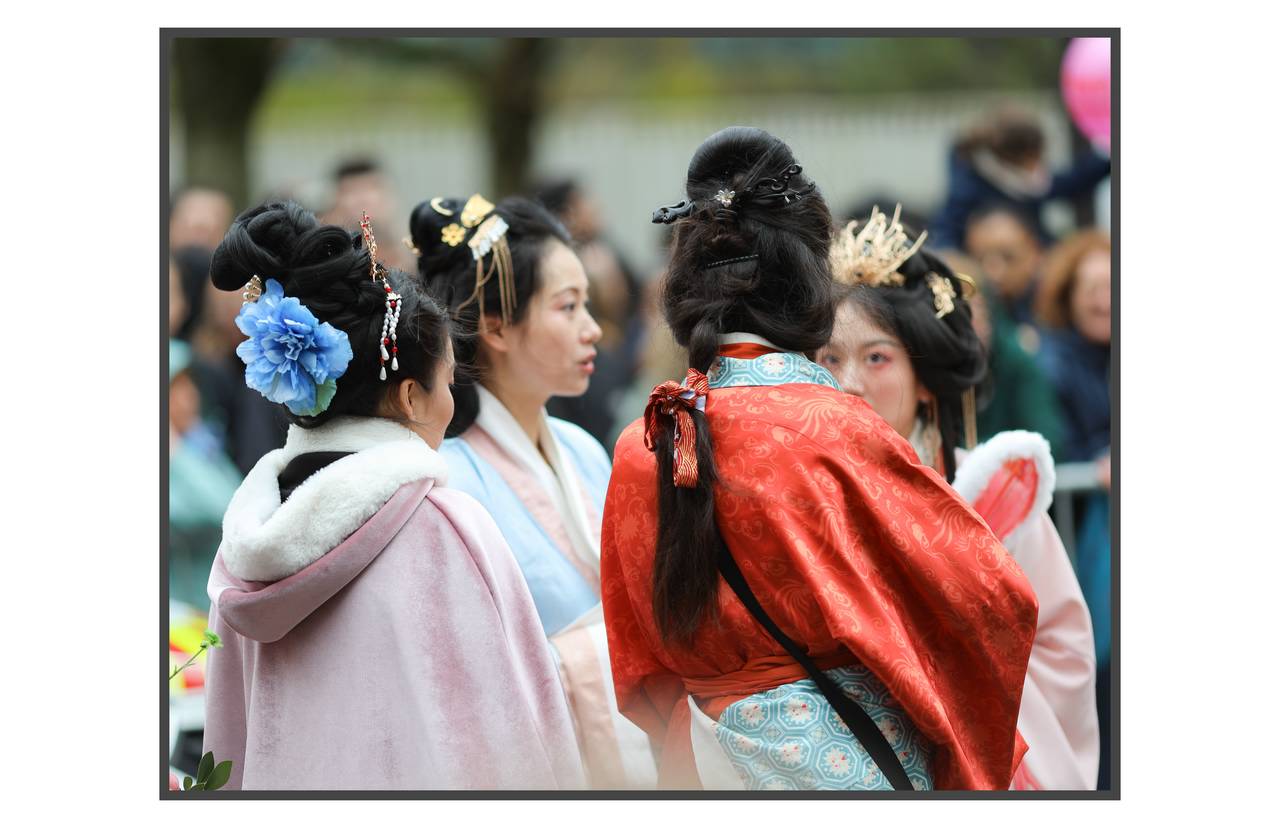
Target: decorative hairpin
873 256
725 197
413 248
452 234
391 317
489 237
673 212
476 208
734 260
252 289
944 294
778 188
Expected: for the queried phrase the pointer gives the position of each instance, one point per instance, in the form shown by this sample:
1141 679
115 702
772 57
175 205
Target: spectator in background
1016 396
360 186
199 217
248 425
615 304
1005 244
1001 160
201 482
1074 305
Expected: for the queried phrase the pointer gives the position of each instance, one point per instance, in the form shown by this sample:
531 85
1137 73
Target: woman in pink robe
377 632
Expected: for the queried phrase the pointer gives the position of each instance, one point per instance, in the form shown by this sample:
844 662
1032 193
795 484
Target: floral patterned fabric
790 738
854 549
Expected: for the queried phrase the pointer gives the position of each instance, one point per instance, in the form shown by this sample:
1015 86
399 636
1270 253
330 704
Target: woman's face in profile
555 344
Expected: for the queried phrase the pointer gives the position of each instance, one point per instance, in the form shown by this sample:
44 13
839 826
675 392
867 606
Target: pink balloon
1086 86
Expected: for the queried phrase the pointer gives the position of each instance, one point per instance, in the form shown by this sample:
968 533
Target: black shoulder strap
863 728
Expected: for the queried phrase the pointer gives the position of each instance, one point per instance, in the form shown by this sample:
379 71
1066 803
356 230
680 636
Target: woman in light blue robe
518 297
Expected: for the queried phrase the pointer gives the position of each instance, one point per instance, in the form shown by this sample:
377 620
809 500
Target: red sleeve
647 692
913 582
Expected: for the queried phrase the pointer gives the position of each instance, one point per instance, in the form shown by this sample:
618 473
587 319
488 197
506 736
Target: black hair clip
768 190
670 213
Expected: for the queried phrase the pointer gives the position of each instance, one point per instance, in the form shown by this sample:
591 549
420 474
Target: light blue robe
560 592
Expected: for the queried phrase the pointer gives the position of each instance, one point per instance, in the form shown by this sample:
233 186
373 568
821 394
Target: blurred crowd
1043 311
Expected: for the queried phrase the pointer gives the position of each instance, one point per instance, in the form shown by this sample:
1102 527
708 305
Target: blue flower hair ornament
291 357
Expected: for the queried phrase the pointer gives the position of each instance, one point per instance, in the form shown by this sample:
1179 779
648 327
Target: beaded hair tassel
391 318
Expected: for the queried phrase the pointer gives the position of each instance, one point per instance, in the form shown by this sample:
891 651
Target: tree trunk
219 82
513 107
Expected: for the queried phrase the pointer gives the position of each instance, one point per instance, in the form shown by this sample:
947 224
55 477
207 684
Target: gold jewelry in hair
944 294
252 289
413 248
968 285
452 235
436 204
969 408
476 208
490 237
873 256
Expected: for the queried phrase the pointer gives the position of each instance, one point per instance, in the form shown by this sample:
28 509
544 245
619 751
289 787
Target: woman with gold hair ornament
518 298
904 342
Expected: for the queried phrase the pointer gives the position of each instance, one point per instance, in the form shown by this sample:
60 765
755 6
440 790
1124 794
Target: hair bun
435 227
263 241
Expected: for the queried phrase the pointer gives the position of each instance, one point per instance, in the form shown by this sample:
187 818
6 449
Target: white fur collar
976 467
264 540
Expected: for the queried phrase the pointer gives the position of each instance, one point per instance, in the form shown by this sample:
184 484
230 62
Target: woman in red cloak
881 584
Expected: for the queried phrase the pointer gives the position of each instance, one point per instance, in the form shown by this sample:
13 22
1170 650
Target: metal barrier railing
1072 481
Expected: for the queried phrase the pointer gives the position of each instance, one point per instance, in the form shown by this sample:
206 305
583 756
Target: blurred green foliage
340 78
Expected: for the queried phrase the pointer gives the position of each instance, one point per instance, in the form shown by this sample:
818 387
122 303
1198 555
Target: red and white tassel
390 321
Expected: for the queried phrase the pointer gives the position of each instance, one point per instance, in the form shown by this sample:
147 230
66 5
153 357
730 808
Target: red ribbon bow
673 400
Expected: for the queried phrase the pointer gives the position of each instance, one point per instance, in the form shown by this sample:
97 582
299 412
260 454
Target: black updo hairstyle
781 291
946 354
327 269
449 274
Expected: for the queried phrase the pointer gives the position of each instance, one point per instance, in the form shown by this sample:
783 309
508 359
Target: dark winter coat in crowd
1080 372
968 189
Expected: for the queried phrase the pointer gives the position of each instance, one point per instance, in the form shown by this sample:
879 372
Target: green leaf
206 766
186 783
219 776
211 639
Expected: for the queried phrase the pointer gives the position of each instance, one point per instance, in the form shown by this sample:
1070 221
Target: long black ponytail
756 264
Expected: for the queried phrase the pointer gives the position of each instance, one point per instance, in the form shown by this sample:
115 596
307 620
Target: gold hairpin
873 256
452 235
437 204
366 228
944 294
968 285
490 237
476 208
413 248
252 289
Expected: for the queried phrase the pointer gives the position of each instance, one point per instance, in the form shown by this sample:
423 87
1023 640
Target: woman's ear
403 398
923 395
496 336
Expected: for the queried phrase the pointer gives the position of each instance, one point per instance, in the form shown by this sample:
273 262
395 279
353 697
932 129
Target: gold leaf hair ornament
252 289
944 294
873 255
391 316
489 239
